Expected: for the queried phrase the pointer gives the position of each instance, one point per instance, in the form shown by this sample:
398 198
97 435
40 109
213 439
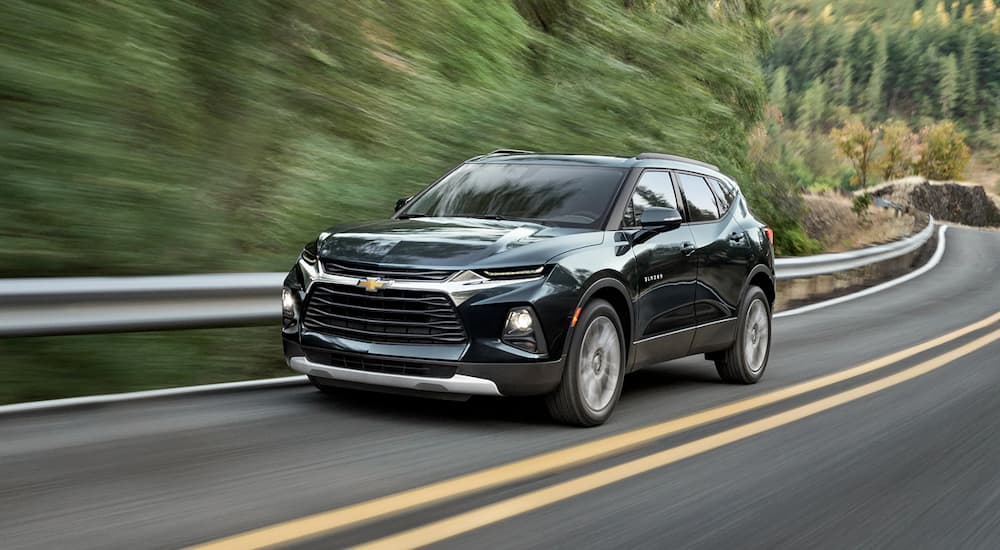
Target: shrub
899 147
944 152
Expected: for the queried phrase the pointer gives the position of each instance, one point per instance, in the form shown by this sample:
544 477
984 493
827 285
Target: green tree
944 152
812 111
968 81
948 86
842 82
873 92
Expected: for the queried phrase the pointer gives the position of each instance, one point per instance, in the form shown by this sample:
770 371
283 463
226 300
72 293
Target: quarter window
654 189
720 195
699 198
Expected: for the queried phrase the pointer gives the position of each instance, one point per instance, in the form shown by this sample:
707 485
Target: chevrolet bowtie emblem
373 284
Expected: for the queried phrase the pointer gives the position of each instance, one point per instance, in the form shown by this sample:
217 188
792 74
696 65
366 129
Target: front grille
378 364
362 270
389 315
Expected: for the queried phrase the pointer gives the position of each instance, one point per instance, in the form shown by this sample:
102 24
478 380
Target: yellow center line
505 509
379 508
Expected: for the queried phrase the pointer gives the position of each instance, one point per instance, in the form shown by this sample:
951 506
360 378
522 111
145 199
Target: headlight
522 330
513 272
289 304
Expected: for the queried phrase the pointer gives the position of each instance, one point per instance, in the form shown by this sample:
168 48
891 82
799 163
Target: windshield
574 196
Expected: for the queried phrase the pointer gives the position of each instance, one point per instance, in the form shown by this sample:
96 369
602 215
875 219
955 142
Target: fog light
519 322
521 330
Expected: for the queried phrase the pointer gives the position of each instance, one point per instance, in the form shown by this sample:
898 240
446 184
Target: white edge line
49 404
298 380
934 261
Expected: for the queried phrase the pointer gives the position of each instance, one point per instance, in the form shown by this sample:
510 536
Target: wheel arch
761 276
616 293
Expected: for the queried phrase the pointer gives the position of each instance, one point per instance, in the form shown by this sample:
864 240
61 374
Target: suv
536 274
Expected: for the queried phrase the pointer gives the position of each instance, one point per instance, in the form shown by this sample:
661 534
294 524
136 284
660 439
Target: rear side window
653 189
699 198
729 190
720 195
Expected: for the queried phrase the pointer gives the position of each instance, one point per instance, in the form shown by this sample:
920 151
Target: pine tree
842 82
968 86
873 94
948 86
812 112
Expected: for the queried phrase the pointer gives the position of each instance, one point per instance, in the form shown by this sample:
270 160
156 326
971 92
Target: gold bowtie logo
373 284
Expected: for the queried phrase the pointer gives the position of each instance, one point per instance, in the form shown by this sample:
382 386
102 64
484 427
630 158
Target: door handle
688 248
736 237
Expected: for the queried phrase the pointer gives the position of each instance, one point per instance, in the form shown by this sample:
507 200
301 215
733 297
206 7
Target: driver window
654 189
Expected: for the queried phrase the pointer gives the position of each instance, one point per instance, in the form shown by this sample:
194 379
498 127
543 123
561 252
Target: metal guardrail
823 264
84 305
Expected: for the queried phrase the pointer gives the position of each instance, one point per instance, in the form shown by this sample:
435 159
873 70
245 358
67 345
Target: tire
745 361
585 396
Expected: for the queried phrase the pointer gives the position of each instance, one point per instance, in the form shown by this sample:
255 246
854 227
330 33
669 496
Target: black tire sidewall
753 294
593 310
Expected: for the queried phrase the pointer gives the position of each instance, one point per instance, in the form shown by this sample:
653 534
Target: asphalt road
915 464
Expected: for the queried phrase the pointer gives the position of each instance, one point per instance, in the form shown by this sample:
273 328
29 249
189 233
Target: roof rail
509 152
663 156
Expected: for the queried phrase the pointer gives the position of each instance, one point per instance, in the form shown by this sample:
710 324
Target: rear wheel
595 368
744 362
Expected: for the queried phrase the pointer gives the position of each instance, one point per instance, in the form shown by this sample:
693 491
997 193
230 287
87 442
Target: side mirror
400 203
662 219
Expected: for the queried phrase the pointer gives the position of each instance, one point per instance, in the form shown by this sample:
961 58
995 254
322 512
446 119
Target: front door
666 275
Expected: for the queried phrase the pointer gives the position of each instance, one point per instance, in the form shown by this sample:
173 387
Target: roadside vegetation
863 91
158 137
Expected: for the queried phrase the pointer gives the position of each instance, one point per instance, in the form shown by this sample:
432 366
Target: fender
757 269
599 284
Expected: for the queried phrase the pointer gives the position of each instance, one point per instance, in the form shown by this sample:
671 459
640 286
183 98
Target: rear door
722 250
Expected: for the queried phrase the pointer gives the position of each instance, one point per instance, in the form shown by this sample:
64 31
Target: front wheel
745 361
595 368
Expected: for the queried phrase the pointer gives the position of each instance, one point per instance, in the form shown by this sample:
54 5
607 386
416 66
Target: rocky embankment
946 201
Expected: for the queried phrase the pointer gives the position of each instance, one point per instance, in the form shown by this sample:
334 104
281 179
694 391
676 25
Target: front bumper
457 384
507 379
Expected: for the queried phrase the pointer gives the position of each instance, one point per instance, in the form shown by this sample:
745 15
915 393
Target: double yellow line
380 508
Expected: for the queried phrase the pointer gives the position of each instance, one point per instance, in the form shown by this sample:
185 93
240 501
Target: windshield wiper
411 216
482 216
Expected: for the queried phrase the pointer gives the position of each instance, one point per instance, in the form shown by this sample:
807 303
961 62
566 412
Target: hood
451 242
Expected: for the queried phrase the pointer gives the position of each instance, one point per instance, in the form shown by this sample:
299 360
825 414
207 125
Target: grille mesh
390 315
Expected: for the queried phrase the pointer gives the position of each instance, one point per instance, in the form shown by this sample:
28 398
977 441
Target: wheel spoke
599 363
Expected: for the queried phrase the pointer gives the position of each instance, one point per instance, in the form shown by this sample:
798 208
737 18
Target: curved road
905 454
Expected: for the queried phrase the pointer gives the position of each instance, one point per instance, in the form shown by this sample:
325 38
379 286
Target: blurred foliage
66 366
148 136
894 65
183 136
886 61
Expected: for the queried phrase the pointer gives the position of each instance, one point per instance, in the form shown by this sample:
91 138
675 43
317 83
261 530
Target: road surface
905 454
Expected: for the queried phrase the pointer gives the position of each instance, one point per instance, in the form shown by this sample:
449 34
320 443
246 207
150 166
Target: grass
37 368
